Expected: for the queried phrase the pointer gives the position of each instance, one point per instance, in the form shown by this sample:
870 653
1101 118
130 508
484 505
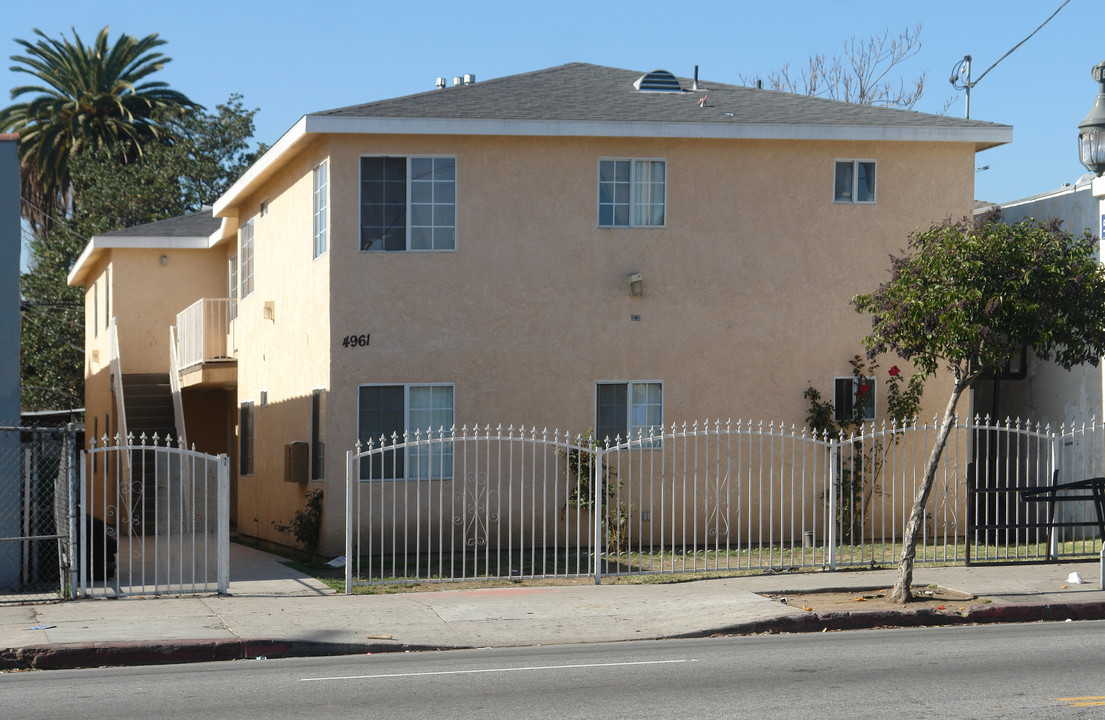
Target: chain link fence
38 491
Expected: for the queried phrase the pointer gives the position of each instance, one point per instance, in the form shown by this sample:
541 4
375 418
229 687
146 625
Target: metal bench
1093 489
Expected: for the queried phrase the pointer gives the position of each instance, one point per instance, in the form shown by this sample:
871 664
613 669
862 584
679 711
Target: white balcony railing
204 332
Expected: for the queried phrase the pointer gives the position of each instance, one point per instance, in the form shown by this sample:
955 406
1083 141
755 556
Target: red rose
894 371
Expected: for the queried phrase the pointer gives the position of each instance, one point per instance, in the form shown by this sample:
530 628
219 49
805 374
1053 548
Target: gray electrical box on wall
296 462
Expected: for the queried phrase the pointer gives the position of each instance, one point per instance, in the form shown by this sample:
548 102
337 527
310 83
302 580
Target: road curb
807 622
60 656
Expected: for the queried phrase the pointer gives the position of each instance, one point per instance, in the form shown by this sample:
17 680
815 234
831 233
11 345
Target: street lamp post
1091 135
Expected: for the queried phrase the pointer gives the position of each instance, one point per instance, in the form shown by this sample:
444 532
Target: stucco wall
288 355
746 289
745 304
148 292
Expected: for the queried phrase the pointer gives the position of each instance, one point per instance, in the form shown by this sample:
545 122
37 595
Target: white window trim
232 285
316 252
855 181
631 226
629 409
456 203
243 278
406 421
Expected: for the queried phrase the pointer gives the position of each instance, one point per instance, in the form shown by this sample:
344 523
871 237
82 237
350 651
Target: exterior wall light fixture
636 286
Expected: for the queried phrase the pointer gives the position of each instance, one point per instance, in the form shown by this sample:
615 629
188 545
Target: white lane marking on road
496 670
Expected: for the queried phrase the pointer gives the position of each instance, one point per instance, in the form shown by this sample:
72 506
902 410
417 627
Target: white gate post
348 522
82 536
223 513
834 455
1054 507
598 491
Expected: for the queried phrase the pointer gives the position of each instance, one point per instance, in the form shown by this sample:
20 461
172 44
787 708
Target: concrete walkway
274 611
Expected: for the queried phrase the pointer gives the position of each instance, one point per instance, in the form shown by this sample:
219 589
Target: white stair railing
174 384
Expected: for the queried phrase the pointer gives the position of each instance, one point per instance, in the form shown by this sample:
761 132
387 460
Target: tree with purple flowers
969 295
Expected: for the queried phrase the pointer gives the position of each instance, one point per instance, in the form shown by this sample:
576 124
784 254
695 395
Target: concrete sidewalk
274 611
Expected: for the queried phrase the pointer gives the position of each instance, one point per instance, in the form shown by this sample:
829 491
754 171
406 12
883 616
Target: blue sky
292 58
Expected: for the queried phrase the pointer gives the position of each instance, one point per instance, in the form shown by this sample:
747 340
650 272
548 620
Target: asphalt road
998 671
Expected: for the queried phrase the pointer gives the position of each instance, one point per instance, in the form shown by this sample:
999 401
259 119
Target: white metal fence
155 519
466 503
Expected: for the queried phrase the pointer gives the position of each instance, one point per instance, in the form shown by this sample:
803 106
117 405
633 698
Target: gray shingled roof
595 93
197 224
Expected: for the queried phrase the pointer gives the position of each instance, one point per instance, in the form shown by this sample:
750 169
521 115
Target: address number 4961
355 341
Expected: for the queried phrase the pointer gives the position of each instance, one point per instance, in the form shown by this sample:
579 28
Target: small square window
854 398
625 409
632 193
854 181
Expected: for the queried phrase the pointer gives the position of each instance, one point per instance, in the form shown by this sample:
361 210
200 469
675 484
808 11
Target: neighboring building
578 247
1044 392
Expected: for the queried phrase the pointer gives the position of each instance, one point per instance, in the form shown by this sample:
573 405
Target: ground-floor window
318 434
245 439
624 409
386 412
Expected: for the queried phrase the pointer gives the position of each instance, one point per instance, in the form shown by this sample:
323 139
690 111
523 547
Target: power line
963 67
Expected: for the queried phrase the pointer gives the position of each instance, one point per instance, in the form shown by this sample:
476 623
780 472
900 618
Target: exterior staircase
149 411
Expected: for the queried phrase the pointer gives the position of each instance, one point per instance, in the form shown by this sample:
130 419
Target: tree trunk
901 592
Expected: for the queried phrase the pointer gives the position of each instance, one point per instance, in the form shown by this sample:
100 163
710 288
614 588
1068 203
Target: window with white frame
854 398
854 181
408 203
387 411
320 202
107 298
624 409
632 193
246 254
232 273
95 308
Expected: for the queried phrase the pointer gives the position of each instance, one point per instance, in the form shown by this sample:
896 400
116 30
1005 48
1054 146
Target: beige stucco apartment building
578 247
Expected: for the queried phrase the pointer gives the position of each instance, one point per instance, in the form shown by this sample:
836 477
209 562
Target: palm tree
90 97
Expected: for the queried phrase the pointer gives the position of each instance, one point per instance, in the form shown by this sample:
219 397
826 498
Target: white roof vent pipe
439 83
457 80
695 78
469 79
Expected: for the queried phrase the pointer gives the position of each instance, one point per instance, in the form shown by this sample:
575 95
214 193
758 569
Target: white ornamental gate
155 520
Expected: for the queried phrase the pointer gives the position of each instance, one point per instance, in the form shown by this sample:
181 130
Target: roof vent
439 83
658 81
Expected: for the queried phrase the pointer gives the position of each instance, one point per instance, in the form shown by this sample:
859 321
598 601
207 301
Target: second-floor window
319 182
632 193
408 203
854 181
232 271
246 255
